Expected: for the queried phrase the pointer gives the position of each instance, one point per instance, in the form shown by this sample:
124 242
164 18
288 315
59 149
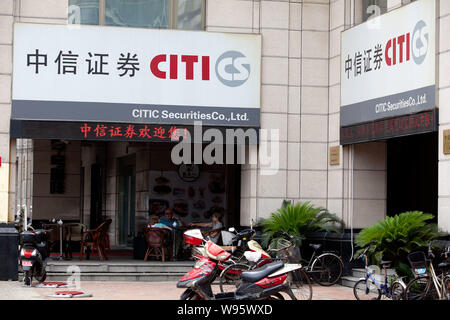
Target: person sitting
155 223
215 225
171 220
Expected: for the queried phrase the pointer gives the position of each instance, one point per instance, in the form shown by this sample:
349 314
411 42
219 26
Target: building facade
300 95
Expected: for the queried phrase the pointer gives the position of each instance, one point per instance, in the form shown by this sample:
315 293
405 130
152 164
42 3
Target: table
174 235
61 233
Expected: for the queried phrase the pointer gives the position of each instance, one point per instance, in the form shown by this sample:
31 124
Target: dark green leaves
394 237
299 220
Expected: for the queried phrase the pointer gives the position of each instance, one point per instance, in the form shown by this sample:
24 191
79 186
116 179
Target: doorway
127 200
96 195
412 174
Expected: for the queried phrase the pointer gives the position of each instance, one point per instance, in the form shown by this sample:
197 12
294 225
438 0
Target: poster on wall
388 68
192 194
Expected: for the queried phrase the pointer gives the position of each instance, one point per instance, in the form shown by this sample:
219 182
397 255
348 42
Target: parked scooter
264 283
244 242
33 255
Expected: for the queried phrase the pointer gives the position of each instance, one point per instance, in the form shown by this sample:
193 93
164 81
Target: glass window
83 12
189 14
137 13
373 8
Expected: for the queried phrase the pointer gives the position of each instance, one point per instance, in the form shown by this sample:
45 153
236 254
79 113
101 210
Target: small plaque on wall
446 141
335 156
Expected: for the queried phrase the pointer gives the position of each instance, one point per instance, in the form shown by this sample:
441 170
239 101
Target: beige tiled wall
444 113
294 92
46 205
6 25
42 11
301 97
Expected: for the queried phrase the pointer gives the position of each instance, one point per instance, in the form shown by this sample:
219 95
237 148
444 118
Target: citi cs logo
421 42
232 68
399 50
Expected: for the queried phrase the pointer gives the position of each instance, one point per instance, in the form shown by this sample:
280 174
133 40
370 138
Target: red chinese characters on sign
85 130
144 132
100 130
416 123
131 132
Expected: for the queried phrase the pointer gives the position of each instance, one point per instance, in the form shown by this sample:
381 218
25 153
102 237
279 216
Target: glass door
127 204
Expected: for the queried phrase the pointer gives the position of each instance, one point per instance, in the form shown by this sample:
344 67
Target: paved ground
138 291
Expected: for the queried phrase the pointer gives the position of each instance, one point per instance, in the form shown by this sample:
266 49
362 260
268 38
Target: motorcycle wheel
230 277
276 296
42 277
190 295
28 278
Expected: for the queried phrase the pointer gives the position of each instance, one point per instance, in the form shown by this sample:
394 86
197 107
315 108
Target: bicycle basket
418 262
279 245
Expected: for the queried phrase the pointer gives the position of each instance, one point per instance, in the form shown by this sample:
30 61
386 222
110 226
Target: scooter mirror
232 229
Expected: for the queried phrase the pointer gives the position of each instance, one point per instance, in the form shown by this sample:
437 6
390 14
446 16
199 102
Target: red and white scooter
264 283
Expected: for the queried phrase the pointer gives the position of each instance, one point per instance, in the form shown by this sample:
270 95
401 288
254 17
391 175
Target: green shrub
395 237
298 221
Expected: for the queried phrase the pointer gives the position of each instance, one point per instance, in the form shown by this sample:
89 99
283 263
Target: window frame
173 15
173 19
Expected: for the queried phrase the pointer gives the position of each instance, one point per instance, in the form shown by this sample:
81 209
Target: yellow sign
446 141
335 155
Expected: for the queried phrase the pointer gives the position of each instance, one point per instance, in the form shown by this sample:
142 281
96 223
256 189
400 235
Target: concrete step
119 276
116 270
121 267
359 272
349 281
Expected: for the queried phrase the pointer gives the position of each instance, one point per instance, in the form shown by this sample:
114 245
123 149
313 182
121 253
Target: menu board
193 197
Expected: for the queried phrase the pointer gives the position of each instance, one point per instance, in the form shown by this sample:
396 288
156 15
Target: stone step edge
117 273
121 265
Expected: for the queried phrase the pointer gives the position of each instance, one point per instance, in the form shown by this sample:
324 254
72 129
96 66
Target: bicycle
427 285
299 281
325 269
369 288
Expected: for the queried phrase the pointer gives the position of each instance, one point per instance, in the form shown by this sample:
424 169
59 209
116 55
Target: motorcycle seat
315 246
260 273
443 265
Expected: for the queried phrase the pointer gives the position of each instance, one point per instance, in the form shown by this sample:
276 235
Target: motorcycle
265 283
243 241
33 255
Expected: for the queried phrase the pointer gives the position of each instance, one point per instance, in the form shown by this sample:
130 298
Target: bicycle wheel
397 291
300 285
230 277
366 290
326 270
421 288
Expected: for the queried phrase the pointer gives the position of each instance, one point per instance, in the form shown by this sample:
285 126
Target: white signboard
388 65
92 73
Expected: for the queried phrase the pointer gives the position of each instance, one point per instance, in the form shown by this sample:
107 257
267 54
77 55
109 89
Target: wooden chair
156 246
96 239
75 232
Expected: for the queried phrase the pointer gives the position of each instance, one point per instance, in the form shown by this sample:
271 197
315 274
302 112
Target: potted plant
395 237
298 220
